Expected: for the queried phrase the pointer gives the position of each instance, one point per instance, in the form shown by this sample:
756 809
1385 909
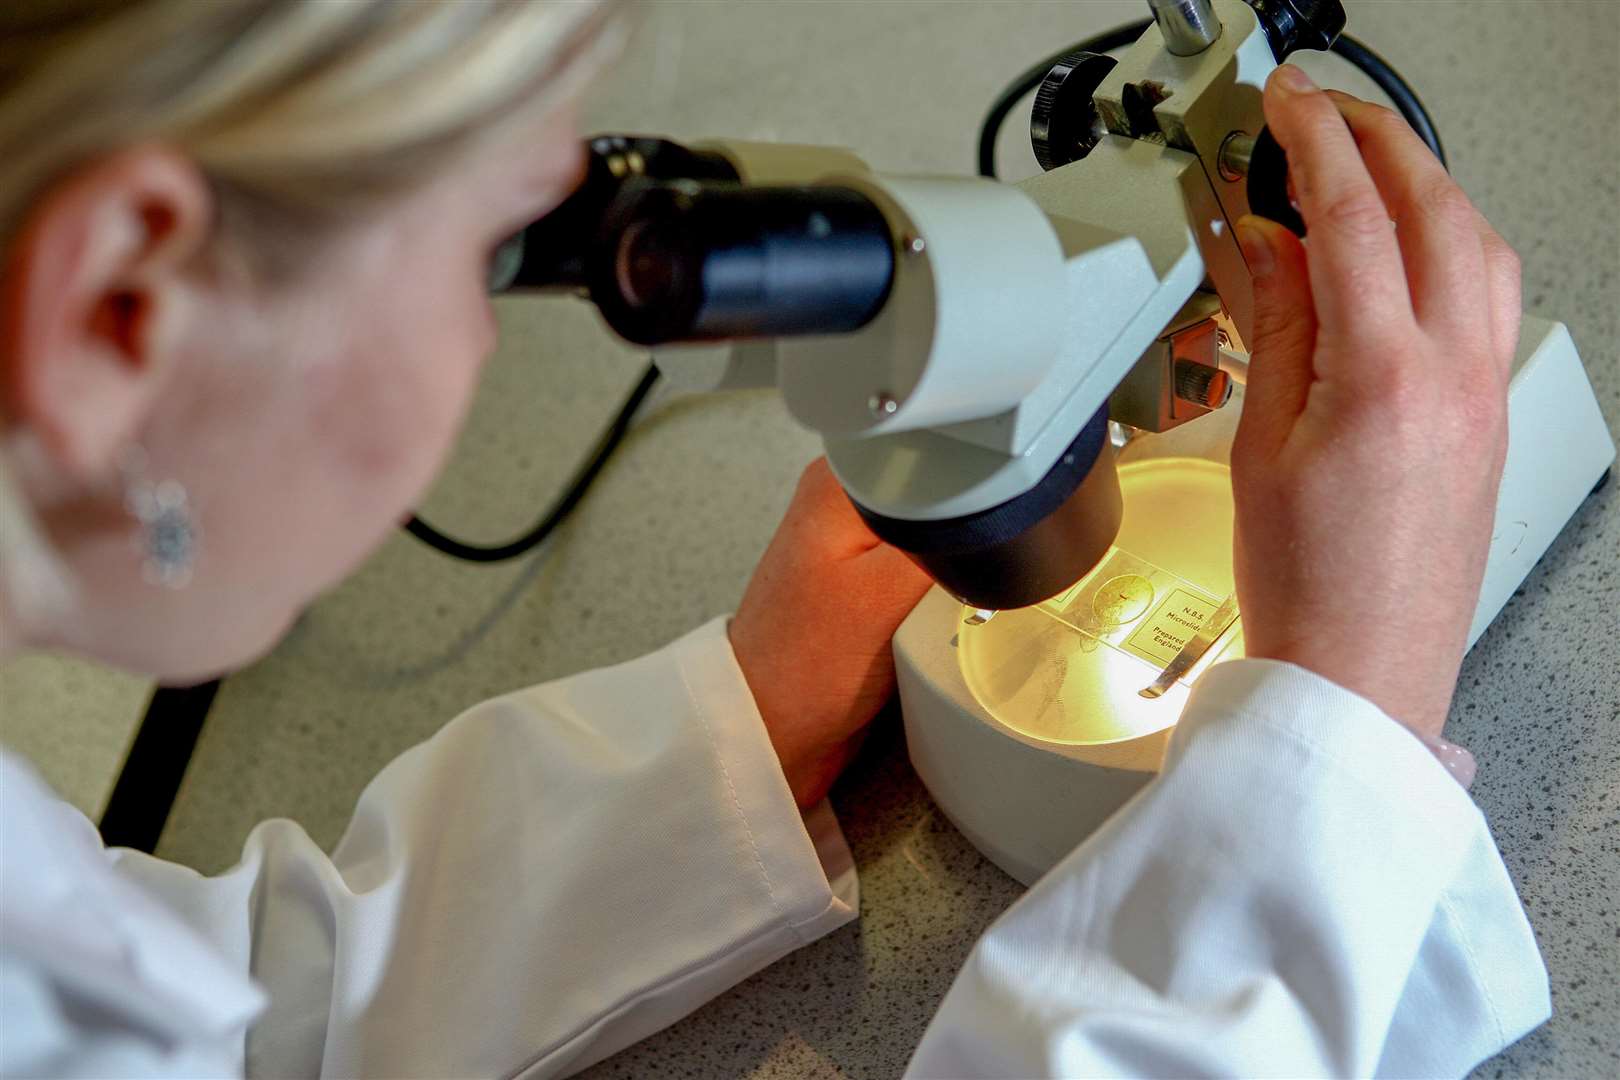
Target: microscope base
1026 802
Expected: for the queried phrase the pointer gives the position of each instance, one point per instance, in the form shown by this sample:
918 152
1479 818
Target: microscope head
961 344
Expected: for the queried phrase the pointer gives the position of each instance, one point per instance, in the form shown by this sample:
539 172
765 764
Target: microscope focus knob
1063 123
1299 24
1201 385
1268 183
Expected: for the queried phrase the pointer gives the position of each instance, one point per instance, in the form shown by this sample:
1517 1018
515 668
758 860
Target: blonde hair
302 110
299 112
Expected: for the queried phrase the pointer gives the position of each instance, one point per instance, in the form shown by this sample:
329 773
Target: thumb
1280 369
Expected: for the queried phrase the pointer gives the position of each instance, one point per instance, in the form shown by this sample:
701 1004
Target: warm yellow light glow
1044 678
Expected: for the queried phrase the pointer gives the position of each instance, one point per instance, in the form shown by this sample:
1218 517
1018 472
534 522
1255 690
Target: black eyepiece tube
702 262
553 249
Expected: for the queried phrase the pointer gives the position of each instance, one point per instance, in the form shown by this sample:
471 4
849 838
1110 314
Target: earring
168 539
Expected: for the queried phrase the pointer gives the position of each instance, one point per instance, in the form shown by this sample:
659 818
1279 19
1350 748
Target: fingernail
1256 249
1294 80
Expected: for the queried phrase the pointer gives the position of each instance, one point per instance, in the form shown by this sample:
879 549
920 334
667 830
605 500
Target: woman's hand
812 634
1375 423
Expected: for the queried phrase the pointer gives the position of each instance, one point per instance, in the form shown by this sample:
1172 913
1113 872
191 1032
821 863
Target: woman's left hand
812 633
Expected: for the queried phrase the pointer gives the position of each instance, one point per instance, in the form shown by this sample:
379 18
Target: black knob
1063 123
1268 183
1299 24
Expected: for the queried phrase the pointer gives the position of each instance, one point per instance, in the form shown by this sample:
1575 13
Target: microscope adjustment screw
1236 152
1202 385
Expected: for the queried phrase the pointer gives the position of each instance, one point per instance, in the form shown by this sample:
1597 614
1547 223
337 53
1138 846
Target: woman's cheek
451 376
419 380
384 406
443 388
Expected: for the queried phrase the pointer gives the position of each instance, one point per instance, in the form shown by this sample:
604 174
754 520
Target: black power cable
609 442
1406 101
1370 63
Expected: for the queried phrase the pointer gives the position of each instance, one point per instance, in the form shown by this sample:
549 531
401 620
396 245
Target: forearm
1301 866
555 875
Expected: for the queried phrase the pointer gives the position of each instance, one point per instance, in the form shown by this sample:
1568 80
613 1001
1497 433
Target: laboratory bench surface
1527 98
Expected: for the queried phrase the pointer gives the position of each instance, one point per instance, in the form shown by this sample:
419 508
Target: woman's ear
97 297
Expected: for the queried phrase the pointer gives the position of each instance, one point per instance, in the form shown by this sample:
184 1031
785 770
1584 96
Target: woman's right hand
1374 428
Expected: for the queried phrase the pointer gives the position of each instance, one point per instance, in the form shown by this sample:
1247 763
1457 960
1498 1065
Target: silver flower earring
168 539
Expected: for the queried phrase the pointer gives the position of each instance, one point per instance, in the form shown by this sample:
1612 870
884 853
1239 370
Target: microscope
1030 388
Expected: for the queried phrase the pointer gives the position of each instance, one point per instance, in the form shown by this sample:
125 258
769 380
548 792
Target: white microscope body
1026 801
1016 314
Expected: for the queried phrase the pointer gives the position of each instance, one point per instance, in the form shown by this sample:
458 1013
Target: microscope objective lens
1071 670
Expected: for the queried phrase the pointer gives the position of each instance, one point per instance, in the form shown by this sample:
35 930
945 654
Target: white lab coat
564 870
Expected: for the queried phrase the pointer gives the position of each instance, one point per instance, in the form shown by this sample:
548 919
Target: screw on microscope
1237 149
1202 385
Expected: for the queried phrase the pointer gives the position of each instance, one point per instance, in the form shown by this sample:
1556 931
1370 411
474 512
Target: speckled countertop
1527 96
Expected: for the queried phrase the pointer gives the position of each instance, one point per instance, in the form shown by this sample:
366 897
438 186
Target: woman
242 313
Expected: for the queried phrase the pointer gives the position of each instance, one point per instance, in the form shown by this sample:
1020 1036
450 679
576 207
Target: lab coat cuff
803 857
1262 715
1271 699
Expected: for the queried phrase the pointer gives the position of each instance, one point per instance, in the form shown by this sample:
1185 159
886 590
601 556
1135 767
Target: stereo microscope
1030 388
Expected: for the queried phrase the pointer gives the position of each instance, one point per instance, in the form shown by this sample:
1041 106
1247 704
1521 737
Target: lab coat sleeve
1303 891
555 875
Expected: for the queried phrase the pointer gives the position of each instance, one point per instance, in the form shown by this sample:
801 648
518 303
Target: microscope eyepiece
551 253
672 247
685 261
648 266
